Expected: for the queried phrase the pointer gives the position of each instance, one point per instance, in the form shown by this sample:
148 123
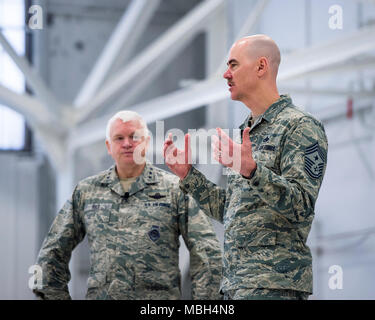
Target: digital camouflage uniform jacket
267 218
133 239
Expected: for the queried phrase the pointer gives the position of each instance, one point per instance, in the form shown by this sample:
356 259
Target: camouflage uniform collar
272 111
275 108
147 176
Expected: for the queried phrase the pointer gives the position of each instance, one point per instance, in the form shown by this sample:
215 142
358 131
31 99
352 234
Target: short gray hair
126 116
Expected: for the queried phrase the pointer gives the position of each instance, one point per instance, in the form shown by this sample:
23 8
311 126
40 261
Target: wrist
183 176
250 173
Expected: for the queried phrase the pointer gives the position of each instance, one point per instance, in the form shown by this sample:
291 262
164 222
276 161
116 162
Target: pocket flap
257 238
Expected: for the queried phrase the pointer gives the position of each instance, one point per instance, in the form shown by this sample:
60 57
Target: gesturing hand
179 161
237 156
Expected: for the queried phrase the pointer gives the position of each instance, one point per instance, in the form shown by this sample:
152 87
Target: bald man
276 171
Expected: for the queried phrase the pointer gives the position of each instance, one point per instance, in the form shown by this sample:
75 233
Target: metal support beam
50 132
354 66
119 47
217 41
153 59
215 90
320 56
31 108
247 28
32 78
177 102
328 92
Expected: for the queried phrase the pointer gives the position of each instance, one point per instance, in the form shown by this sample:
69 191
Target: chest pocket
157 201
158 220
97 216
267 154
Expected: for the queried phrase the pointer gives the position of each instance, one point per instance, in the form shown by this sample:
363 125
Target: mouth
230 85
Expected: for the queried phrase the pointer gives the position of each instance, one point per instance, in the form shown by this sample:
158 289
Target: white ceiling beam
36 114
367 1
138 29
247 28
31 108
364 64
136 75
177 102
180 101
119 47
306 60
338 110
328 92
214 90
32 78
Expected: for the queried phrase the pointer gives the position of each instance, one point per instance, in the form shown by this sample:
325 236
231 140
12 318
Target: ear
148 140
147 143
262 66
108 145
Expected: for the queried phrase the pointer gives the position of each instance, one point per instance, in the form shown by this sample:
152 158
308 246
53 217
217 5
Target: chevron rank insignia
314 161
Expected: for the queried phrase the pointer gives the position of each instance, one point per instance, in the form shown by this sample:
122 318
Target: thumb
187 149
246 137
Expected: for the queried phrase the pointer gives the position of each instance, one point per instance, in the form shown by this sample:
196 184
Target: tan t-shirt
126 183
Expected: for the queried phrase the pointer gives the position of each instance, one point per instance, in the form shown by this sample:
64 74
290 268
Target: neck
260 100
129 170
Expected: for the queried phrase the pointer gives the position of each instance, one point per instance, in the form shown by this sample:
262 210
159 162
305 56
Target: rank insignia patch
314 161
154 233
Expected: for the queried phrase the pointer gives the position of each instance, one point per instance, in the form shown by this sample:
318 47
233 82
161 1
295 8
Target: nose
127 143
227 75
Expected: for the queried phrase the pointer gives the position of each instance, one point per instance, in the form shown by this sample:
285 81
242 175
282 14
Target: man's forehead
127 125
130 123
238 50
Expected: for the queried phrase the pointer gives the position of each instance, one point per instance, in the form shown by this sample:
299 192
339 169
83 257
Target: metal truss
69 124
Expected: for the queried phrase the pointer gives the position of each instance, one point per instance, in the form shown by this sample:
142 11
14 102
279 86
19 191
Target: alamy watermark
335 21
36 20
201 152
336 281
36 280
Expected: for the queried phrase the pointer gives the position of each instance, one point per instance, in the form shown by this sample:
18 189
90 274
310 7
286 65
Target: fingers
246 138
188 151
224 138
168 145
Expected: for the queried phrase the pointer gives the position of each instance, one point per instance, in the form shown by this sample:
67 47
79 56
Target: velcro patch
154 233
314 161
98 206
266 147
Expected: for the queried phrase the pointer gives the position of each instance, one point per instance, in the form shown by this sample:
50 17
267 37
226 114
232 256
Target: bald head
260 45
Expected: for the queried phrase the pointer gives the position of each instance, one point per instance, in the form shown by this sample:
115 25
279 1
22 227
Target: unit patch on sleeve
314 161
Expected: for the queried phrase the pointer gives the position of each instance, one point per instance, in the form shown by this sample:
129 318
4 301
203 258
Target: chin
234 97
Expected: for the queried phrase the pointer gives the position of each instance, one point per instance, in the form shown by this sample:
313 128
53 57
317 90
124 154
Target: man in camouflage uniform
132 214
275 174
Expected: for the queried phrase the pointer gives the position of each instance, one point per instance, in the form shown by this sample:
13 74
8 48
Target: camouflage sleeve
209 196
65 233
205 253
302 163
